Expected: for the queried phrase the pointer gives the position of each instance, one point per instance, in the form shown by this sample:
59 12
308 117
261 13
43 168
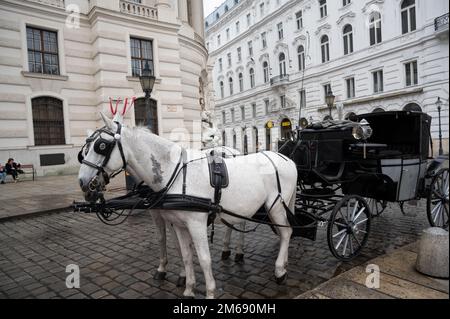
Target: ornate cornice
323 28
347 16
372 6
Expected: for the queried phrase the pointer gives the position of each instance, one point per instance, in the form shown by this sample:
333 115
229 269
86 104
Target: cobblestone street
119 262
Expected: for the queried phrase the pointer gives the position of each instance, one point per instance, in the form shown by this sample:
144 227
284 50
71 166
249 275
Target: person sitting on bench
2 174
13 169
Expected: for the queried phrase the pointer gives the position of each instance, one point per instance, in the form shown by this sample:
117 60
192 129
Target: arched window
408 16
301 57
378 110
230 83
266 71
325 48
222 93
245 150
327 118
282 63
323 8
241 82
234 140
256 139
375 28
217 16
48 121
226 8
252 78
412 107
224 139
348 39
146 115
351 117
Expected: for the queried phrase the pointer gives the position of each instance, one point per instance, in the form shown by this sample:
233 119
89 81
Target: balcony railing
279 80
53 3
441 23
137 9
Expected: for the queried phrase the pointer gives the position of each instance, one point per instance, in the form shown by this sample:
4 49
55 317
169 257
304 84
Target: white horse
253 184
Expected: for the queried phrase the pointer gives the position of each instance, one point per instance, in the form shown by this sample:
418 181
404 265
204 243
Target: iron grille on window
141 52
48 121
42 51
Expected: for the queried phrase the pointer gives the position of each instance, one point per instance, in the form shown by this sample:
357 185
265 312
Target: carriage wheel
437 202
348 227
377 207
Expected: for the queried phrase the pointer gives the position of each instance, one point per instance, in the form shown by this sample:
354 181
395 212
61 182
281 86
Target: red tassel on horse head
114 110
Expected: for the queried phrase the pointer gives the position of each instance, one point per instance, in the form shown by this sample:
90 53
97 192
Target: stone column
197 17
182 10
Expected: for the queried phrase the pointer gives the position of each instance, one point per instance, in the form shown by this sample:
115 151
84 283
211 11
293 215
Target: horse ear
107 121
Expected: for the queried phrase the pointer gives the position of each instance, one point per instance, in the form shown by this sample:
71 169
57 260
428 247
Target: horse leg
185 243
161 226
181 282
278 216
226 244
198 231
239 258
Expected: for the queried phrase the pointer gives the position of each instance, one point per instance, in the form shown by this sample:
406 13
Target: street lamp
329 99
439 106
147 82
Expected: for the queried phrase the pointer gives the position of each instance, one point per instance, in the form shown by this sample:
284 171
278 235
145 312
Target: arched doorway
146 116
412 107
286 128
351 117
269 126
327 118
378 110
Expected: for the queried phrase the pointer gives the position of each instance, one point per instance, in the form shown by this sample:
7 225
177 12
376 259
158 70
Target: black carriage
349 170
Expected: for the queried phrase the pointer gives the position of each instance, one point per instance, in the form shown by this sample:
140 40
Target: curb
38 213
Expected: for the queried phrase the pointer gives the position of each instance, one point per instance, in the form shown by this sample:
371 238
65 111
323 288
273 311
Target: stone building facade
62 60
275 60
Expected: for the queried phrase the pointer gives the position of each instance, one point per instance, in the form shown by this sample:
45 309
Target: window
256 139
326 89
412 77
377 81
350 82
250 48
282 64
243 113
218 40
299 19
48 121
241 82
233 118
346 2
375 28
220 65
224 139
348 39
408 16
252 78
230 83
226 8
42 51
267 106
249 20
238 27
283 101
234 140
323 8
239 54
141 53
325 48
224 117
261 9
280 31
229 59
254 110
227 32
266 71
146 116
264 40
301 58
222 93
302 94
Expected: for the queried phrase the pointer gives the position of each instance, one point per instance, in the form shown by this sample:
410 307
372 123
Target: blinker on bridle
105 148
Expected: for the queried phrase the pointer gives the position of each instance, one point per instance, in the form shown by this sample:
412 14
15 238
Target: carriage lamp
329 99
439 107
362 131
147 80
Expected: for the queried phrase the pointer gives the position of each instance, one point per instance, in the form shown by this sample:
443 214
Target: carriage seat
218 173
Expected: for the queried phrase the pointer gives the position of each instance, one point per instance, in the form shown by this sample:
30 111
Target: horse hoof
282 280
181 282
226 255
239 258
159 275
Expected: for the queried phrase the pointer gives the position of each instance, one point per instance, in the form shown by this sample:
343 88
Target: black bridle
105 148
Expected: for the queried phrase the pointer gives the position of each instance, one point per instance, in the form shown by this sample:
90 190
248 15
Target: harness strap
237 229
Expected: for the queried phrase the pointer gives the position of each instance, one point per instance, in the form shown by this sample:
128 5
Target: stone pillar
182 10
197 17
165 11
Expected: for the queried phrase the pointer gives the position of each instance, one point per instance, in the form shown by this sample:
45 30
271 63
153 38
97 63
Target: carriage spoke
359 213
340 212
340 241
361 221
355 208
345 245
438 211
337 234
352 251
357 240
